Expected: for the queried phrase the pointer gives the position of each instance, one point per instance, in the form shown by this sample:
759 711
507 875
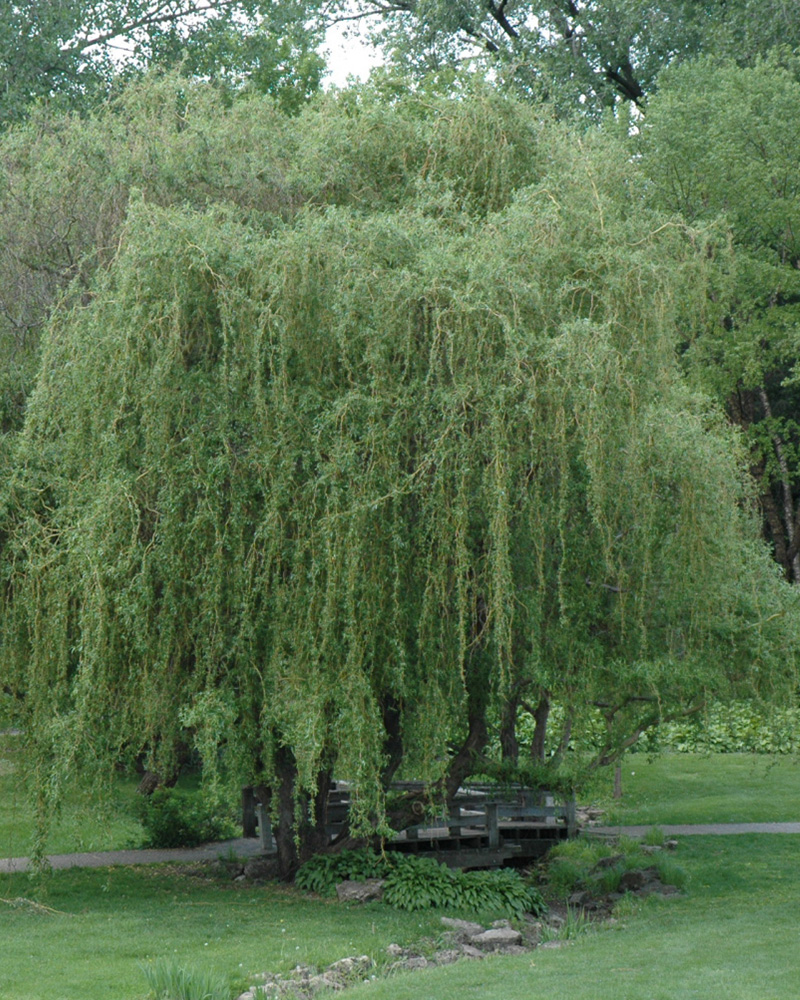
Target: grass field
107 922
719 788
735 933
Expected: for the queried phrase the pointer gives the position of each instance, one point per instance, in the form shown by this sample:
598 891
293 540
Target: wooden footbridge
487 826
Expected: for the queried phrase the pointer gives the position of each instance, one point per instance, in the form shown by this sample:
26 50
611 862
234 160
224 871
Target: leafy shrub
737 727
170 981
174 818
740 727
323 872
415 883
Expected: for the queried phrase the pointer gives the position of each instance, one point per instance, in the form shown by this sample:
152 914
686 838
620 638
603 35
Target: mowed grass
691 788
110 921
85 821
735 934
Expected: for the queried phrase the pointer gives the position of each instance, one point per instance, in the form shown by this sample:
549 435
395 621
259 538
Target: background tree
721 142
73 52
595 52
323 486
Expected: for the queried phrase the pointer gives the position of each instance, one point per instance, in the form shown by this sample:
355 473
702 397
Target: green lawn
112 920
85 821
735 935
720 788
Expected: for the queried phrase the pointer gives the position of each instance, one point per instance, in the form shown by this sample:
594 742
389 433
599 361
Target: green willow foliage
279 480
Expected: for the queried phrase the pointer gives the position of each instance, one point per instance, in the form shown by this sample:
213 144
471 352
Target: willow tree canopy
327 495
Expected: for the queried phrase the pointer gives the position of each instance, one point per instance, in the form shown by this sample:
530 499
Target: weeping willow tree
335 498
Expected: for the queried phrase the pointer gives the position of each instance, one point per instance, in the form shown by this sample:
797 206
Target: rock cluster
460 939
636 882
304 981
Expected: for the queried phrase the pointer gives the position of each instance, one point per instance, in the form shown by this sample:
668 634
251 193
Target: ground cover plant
418 883
597 866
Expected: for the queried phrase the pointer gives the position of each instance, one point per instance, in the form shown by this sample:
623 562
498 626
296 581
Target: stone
369 890
416 962
501 923
511 949
670 844
447 956
463 928
350 967
609 862
393 950
642 881
496 938
261 868
469 951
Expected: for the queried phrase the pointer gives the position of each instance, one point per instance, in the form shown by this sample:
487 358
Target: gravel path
102 859
698 830
251 848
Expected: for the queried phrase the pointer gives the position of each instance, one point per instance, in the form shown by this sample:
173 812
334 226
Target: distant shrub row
738 727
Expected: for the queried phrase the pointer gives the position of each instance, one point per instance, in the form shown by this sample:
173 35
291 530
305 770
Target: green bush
416 883
737 727
323 872
740 727
174 818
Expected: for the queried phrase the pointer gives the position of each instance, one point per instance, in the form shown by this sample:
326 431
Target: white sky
351 56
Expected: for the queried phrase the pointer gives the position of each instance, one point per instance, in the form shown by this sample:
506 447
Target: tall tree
320 488
595 51
73 51
721 141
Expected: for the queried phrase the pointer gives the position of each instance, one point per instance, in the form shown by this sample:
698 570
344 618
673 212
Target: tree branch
159 16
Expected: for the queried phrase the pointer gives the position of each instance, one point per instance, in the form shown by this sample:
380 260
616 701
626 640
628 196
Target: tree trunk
249 820
541 715
786 490
509 744
301 828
